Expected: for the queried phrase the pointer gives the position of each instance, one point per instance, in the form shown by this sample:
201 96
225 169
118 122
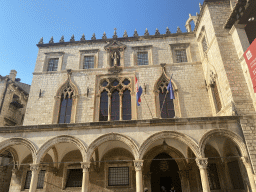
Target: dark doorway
164 172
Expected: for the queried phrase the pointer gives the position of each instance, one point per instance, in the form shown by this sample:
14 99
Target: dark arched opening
164 172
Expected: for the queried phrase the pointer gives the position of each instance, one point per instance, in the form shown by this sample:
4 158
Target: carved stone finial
135 33
200 6
51 40
179 30
146 32
62 39
157 32
115 34
104 35
197 14
189 15
82 38
69 72
72 38
41 41
125 34
168 32
93 37
163 66
234 111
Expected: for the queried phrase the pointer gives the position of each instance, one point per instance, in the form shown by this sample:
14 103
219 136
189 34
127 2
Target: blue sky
24 22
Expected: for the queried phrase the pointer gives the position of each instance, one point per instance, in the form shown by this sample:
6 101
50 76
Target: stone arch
61 139
162 82
74 90
6 145
224 133
188 25
169 135
113 137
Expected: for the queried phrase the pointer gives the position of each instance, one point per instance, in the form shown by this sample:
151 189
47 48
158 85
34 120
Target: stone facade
208 145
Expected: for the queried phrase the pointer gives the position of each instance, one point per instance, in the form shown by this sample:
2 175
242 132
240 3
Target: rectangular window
181 55
204 44
142 58
118 176
28 180
75 177
53 64
88 62
40 183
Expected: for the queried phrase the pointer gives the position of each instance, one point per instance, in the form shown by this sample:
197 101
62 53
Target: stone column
248 167
121 106
35 168
184 177
109 106
202 165
138 168
85 182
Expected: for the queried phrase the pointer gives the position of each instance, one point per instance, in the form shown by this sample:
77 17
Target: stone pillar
85 182
248 167
35 168
109 106
121 106
138 168
202 165
184 177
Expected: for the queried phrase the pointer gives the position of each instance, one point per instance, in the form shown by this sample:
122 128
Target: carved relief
138 164
202 163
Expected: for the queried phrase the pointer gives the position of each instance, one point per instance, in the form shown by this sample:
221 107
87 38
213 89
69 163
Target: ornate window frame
53 55
99 89
181 46
138 49
91 52
165 79
67 83
113 47
200 39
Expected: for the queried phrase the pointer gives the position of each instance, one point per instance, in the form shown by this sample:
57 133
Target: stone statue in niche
115 58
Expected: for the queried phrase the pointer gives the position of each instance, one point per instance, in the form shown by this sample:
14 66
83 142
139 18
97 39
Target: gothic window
40 183
88 62
74 178
126 105
166 104
117 92
181 55
142 58
118 176
104 106
53 64
216 97
213 176
204 45
66 106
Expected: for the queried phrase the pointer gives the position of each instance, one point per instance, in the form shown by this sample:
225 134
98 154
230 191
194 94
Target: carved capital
85 166
35 167
202 163
138 165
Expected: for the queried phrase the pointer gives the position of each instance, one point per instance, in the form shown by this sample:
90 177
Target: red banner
250 58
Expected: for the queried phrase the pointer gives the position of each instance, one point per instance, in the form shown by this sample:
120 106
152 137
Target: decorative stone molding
169 135
90 52
223 133
35 167
61 139
202 163
138 164
85 166
113 137
246 161
18 141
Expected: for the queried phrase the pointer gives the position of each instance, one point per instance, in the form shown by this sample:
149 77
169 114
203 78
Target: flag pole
148 106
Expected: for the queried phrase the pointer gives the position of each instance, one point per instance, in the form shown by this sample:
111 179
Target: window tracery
66 102
166 107
115 99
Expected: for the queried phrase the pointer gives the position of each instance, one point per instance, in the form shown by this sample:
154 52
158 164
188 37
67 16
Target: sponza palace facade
83 131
